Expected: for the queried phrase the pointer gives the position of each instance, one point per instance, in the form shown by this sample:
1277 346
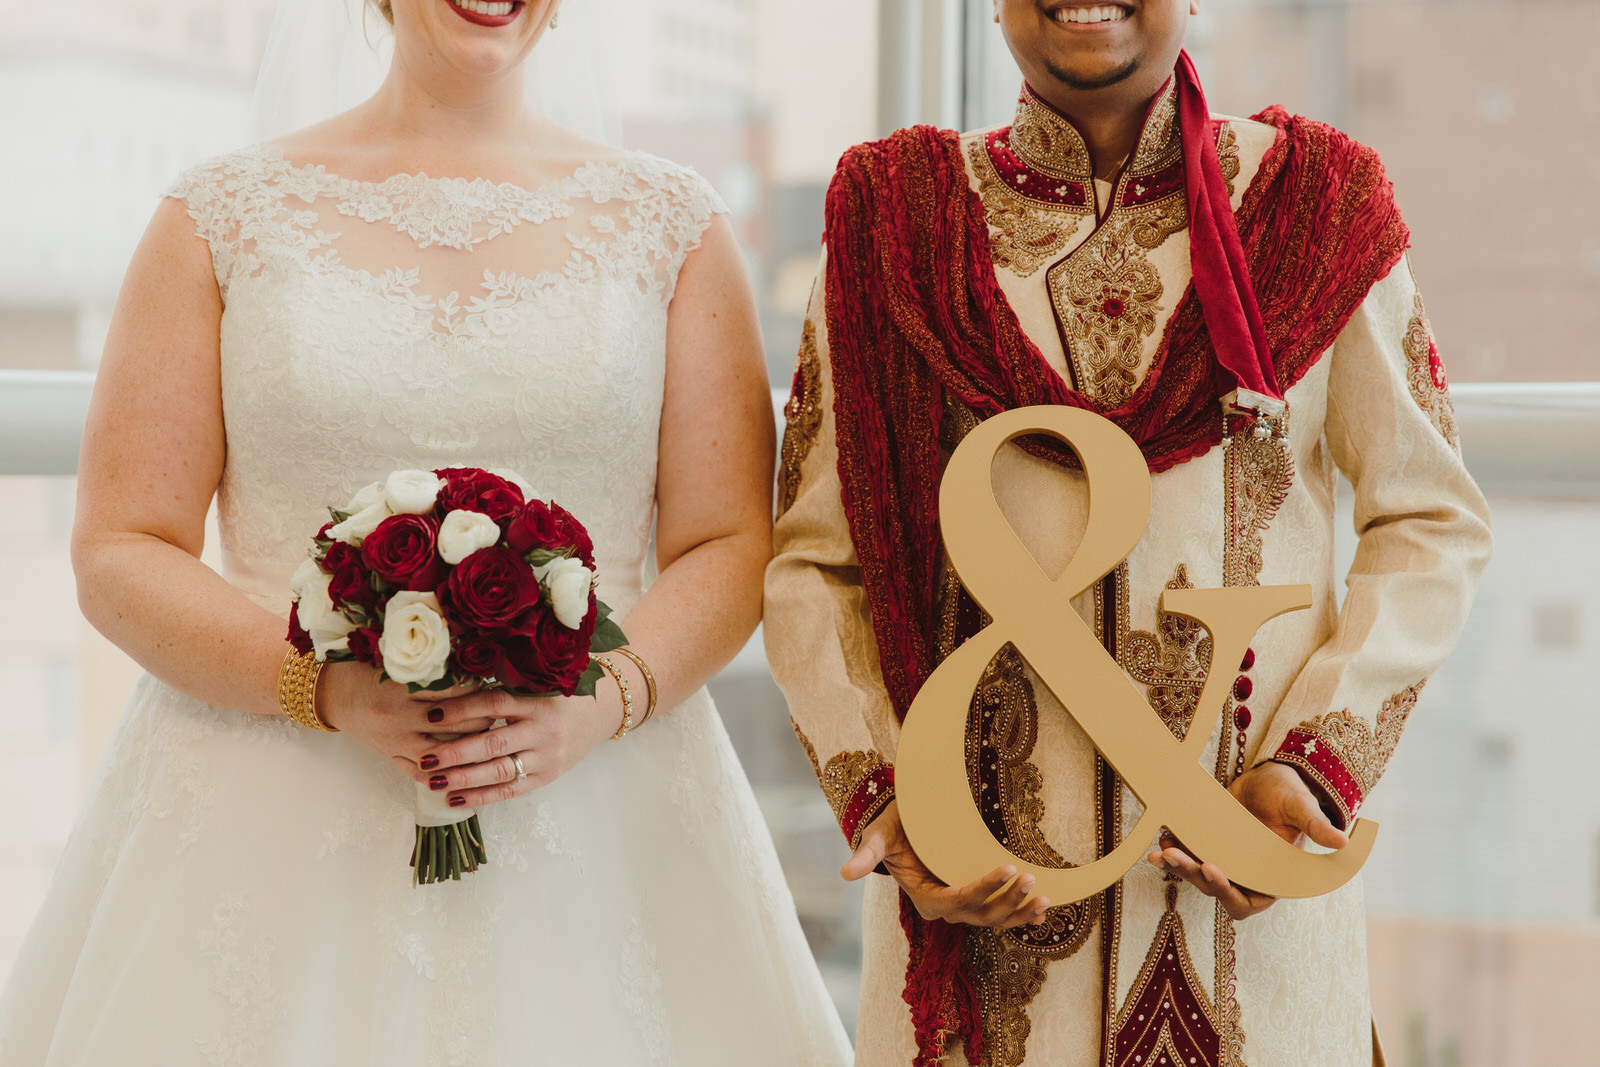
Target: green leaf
338 516
432 687
589 680
607 636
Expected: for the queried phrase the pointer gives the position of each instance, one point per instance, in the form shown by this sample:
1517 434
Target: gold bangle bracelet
609 665
651 692
297 690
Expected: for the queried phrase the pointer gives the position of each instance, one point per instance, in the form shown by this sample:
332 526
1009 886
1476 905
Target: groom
1235 295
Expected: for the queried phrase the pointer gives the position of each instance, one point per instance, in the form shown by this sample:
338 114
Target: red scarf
915 313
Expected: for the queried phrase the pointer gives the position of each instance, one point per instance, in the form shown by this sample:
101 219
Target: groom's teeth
1101 13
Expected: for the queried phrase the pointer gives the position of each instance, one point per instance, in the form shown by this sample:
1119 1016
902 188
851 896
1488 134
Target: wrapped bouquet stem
447 845
454 578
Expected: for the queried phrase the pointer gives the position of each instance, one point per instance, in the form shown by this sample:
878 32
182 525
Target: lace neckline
457 213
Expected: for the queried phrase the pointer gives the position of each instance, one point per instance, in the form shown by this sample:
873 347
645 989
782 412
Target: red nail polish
428 762
438 781
456 802
436 715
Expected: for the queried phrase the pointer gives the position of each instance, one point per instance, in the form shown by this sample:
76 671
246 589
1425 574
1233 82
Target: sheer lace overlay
440 321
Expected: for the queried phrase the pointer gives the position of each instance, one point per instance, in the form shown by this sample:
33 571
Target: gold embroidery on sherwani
1049 143
1029 231
1365 751
803 417
1171 662
805 743
1425 375
1108 295
843 776
1257 476
1228 154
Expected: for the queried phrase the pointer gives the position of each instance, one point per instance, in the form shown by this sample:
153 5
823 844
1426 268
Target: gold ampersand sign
1035 615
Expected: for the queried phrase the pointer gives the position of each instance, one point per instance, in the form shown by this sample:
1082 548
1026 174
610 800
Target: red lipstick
488 20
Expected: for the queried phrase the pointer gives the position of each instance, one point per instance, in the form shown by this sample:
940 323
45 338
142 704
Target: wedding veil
326 56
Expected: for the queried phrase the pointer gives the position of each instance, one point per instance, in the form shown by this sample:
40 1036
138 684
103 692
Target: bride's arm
713 538
714 483
152 455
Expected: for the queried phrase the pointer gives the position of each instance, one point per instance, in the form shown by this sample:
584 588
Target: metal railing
1524 438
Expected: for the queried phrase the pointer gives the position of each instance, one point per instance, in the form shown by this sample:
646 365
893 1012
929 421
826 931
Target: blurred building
104 104
1487 126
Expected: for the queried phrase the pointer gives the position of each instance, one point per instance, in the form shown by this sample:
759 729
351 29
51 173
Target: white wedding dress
236 890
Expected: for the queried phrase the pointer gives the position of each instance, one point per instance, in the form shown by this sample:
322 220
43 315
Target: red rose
575 535
534 527
478 657
550 527
545 656
470 489
297 633
403 551
350 583
489 590
364 647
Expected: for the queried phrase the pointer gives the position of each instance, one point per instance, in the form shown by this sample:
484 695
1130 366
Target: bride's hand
551 735
382 715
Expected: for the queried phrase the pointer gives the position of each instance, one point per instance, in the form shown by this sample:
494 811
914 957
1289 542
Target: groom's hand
1277 795
982 903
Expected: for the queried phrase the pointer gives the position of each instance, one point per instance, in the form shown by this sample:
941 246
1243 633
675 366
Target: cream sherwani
1152 969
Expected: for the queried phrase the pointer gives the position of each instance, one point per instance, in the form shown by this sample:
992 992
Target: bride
440 276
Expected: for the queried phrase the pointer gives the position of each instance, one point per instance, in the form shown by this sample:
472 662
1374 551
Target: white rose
464 532
568 583
416 642
412 492
365 498
515 479
329 630
355 529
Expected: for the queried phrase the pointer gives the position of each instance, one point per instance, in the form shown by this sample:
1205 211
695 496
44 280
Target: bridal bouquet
456 577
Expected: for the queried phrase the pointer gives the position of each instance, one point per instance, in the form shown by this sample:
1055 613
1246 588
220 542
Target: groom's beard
1119 74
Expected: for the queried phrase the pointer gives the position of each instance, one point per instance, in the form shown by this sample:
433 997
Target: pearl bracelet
609 665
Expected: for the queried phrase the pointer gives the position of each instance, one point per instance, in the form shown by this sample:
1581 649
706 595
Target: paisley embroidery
1228 154
802 417
1172 662
1108 297
1425 375
1257 476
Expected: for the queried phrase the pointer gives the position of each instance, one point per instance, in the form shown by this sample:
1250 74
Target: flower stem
447 852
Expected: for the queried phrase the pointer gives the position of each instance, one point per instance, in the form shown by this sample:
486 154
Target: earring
555 20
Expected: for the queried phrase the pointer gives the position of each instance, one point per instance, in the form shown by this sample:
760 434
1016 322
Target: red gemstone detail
1249 659
1241 718
1114 307
1242 688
